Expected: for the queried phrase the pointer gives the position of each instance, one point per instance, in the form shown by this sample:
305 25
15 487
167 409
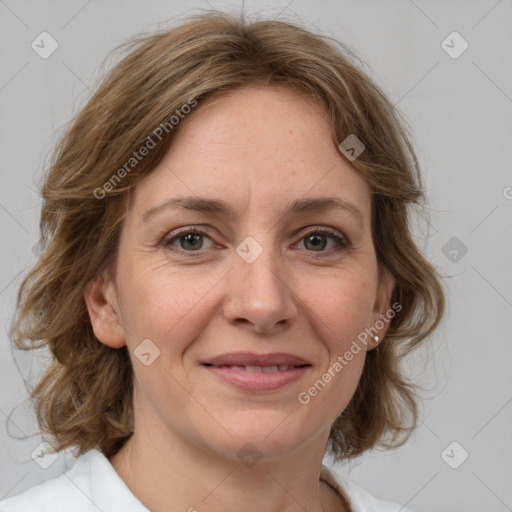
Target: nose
259 296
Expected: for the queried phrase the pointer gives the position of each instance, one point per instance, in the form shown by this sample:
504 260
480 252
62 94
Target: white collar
92 484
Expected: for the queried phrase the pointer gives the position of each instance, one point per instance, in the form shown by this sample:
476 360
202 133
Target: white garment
93 485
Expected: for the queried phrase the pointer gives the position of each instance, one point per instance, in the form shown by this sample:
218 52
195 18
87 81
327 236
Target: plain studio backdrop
447 67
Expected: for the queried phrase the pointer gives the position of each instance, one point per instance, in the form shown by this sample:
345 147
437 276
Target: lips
251 360
257 372
258 369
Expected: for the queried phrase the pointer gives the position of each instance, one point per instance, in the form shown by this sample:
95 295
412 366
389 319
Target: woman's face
194 282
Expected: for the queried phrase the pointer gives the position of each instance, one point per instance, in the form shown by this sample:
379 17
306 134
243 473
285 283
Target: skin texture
257 149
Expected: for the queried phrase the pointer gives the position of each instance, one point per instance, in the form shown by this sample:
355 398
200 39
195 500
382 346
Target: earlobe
381 318
100 299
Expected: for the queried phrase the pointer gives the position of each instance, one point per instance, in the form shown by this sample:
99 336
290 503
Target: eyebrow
218 207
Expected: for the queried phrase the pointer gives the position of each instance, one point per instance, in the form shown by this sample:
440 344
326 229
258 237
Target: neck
162 470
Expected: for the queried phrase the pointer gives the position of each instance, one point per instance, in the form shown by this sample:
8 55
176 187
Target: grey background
460 110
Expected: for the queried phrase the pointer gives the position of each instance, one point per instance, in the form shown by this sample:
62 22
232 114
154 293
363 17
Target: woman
228 282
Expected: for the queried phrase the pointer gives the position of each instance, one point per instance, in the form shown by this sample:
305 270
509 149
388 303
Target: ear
382 305
101 300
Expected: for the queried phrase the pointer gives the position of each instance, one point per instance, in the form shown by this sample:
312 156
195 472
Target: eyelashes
194 237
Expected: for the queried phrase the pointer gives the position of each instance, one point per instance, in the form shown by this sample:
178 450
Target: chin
260 437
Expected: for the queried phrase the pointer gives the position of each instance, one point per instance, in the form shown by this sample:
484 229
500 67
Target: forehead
261 147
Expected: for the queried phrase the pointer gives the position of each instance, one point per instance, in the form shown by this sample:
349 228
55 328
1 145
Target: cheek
164 304
342 307
341 313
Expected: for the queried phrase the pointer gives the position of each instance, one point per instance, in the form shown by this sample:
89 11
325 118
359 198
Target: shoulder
90 485
56 494
358 498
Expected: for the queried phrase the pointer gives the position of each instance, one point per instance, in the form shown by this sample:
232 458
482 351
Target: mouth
255 372
258 369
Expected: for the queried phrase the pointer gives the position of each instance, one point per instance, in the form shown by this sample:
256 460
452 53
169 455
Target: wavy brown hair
84 398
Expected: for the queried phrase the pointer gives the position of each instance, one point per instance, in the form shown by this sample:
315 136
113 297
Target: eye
316 240
189 240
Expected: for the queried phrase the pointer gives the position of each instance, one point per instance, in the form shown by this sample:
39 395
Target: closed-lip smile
257 372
